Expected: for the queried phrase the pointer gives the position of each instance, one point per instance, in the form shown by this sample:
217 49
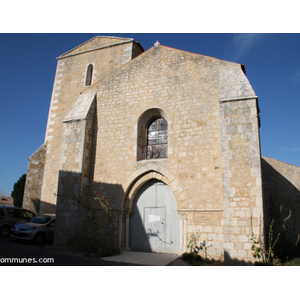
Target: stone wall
34 180
243 209
184 88
74 175
281 190
106 55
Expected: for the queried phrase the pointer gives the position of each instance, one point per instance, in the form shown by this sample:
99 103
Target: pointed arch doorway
154 224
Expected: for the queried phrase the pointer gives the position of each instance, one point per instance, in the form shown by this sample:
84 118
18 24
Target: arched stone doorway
154 224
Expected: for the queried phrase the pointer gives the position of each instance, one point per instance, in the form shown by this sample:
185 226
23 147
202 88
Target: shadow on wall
41 207
282 207
75 210
229 261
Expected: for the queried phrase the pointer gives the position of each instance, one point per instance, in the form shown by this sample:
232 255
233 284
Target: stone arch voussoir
140 177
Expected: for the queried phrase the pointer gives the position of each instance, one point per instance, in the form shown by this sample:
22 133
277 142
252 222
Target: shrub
192 258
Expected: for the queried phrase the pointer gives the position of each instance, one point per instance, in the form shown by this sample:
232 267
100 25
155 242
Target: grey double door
154 222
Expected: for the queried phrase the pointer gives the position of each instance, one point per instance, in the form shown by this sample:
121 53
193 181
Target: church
170 137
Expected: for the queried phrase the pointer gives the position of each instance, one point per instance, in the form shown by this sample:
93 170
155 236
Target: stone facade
96 140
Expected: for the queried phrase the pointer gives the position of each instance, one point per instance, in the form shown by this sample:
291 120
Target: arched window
157 138
152 134
89 75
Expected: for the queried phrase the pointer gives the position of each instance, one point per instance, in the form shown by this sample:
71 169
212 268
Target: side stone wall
34 180
281 190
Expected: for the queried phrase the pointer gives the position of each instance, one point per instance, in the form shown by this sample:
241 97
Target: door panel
154 222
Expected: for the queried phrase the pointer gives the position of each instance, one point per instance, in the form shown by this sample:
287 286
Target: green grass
293 262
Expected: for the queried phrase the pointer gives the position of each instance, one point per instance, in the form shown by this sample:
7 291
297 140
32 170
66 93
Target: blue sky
28 64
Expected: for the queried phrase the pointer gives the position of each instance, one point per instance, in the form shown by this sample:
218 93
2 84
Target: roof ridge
126 40
280 161
200 54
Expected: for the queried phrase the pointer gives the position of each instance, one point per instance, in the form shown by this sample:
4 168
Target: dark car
39 230
10 215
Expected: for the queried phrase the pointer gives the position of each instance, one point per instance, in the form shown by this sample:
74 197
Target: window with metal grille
157 138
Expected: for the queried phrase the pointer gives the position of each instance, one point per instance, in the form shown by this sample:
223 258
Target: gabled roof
6 200
268 159
203 55
234 84
98 42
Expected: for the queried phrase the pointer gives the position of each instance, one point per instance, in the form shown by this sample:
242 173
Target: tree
18 191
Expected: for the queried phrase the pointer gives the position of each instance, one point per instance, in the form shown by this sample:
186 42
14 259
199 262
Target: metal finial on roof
157 43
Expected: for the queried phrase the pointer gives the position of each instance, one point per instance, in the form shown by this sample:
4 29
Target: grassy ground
293 262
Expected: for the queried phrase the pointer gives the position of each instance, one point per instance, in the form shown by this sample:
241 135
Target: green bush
18 191
192 258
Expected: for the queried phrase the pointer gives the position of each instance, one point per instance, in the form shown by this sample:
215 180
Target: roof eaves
202 55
